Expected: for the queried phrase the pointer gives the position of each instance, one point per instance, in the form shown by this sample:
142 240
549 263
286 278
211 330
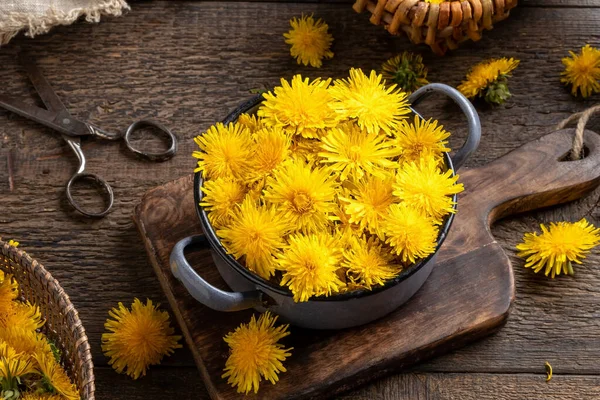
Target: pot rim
217 246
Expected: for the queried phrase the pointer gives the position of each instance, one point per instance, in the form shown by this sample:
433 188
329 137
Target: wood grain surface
187 64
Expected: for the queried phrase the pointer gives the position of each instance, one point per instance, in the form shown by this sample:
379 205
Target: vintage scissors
56 116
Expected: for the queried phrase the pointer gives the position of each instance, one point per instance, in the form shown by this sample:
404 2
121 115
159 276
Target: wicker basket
62 325
441 26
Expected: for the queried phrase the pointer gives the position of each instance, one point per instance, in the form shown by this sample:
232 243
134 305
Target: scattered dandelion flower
405 70
558 246
582 71
255 353
305 196
489 80
368 263
310 41
353 152
367 99
421 139
411 233
138 338
225 151
548 371
309 264
427 188
56 378
367 205
220 197
300 107
255 233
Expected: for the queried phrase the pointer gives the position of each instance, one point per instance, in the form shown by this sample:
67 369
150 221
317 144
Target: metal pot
334 312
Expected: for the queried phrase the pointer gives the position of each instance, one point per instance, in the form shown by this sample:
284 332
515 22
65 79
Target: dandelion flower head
310 40
368 263
421 139
582 71
405 70
488 79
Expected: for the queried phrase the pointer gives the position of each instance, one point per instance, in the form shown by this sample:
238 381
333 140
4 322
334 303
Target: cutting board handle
535 175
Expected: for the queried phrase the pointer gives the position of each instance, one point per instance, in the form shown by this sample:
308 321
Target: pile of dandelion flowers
138 338
367 99
303 194
255 233
353 152
421 139
255 353
558 246
225 151
300 107
427 188
309 264
368 263
220 197
310 42
582 71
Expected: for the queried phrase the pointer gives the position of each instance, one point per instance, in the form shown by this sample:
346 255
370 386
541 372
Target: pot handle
467 108
203 291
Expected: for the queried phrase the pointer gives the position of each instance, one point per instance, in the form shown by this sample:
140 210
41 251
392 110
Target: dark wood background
187 64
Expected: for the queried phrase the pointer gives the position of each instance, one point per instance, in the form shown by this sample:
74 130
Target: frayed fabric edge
13 23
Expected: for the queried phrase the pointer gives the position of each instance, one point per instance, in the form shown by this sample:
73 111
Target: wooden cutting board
467 296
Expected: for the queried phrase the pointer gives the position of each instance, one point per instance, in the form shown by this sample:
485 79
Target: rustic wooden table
187 64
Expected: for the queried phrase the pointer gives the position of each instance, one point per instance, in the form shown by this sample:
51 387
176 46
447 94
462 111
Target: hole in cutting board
567 155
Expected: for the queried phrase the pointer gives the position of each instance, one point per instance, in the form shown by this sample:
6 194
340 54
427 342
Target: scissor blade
45 91
45 117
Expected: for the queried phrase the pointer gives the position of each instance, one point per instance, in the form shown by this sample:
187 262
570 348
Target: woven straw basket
441 26
62 325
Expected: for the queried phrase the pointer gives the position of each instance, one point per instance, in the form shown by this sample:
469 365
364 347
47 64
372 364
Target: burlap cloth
38 16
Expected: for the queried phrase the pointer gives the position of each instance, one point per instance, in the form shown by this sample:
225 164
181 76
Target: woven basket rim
87 388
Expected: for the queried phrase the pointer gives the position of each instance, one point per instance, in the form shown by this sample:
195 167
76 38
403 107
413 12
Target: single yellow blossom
558 246
427 188
582 71
310 41
411 233
138 338
299 108
488 79
255 353
220 198
421 139
368 263
405 70
366 98
24 315
353 152
309 264
55 377
305 196
368 203
271 149
225 151
255 233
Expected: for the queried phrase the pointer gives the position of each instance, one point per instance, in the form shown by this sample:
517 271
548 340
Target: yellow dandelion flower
488 79
368 263
271 149
13 243
309 264
23 315
25 342
255 353
368 203
558 246
251 122
305 196
353 152
421 139
427 188
299 108
220 198
13 366
9 290
411 234
138 338
55 377
582 71
255 233
310 41
405 70
225 151
367 99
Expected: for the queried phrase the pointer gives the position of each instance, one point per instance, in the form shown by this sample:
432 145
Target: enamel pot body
249 290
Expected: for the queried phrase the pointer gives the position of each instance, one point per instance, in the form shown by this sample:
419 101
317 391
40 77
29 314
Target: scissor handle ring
160 156
98 182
